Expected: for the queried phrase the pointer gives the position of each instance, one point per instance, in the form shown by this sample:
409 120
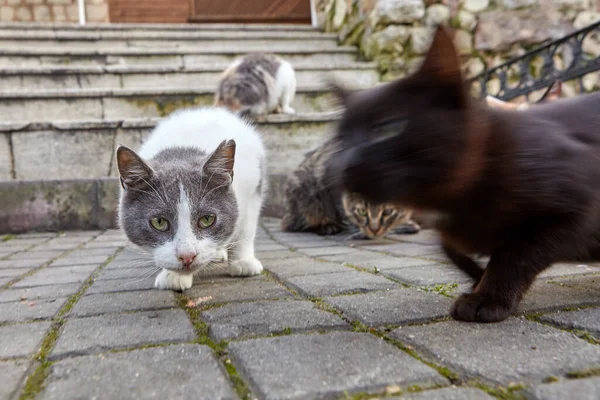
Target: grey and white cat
312 205
192 195
257 84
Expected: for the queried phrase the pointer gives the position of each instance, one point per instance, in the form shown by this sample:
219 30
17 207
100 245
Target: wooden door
281 11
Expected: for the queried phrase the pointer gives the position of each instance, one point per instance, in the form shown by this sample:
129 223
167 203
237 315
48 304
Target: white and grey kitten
257 84
192 195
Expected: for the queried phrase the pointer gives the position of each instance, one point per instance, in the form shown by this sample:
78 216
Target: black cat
522 187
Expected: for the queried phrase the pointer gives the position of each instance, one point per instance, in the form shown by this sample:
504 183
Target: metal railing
517 77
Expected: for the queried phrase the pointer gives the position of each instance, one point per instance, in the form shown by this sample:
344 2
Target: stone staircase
69 95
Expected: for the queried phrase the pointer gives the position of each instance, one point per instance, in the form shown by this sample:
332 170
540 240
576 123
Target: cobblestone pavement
327 319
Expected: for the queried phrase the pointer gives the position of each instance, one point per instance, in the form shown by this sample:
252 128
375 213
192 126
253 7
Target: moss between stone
550 379
442 288
220 348
6 238
35 382
512 392
585 373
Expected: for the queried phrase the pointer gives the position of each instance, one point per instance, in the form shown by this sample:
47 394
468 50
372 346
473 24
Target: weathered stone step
152 26
116 104
197 76
85 149
152 35
164 56
67 204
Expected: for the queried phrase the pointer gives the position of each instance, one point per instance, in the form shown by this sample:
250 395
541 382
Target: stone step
42 26
197 76
73 204
116 104
62 55
85 149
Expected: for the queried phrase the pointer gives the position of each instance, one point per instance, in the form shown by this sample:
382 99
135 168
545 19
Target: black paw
474 307
406 230
326 230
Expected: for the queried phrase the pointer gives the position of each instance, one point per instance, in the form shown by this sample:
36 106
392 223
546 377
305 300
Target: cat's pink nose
187 259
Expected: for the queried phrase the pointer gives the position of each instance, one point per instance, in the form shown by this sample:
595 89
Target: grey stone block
228 289
581 389
79 260
30 309
288 267
392 307
242 320
587 319
172 372
117 331
451 393
46 255
21 340
38 292
515 350
58 275
94 304
370 260
111 286
12 272
328 251
128 274
339 283
430 274
270 255
4 281
569 269
11 374
21 263
272 246
407 249
544 296
326 365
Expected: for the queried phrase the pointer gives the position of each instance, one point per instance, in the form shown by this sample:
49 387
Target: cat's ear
221 161
442 60
132 168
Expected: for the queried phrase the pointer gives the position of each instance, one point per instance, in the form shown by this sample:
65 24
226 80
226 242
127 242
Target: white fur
285 87
206 128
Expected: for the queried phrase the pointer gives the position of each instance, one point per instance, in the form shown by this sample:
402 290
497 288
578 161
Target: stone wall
396 33
52 11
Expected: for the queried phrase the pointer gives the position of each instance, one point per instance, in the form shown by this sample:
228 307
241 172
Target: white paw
289 110
246 267
169 280
223 255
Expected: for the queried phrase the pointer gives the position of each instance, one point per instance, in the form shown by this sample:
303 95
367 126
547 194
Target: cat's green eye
160 224
362 212
207 220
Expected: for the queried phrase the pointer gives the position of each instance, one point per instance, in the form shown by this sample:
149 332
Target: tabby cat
522 187
312 206
257 84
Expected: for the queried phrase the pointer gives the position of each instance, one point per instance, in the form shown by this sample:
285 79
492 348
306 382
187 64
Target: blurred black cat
520 186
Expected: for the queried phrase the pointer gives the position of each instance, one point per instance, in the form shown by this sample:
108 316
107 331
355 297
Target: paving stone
451 393
288 267
12 272
370 260
515 350
21 263
242 320
11 374
128 274
424 236
172 372
351 281
328 251
94 304
38 292
227 289
587 319
21 340
306 244
581 389
110 286
4 281
114 331
392 307
564 269
269 255
272 246
326 365
78 260
431 274
407 249
58 275
587 283
38 255
544 296
105 244
30 309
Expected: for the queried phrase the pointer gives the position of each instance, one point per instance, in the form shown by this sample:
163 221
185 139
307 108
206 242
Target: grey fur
312 205
156 193
250 83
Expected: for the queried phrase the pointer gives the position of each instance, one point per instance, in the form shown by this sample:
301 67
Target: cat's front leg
171 280
242 261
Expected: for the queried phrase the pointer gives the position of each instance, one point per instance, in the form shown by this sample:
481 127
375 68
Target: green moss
585 373
358 326
287 331
6 238
550 379
35 381
512 392
444 289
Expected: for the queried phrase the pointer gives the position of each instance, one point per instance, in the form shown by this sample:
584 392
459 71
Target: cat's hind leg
242 261
286 77
171 280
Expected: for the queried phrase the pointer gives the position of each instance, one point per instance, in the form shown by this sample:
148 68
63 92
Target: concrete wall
52 11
